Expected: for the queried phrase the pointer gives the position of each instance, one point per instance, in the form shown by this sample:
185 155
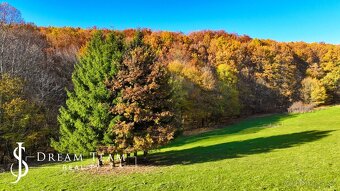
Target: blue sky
281 20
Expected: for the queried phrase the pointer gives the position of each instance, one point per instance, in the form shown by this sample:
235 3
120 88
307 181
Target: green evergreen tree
85 119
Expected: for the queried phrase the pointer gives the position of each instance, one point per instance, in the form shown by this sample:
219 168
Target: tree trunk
144 154
2 159
127 158
112 161
121 160
100 160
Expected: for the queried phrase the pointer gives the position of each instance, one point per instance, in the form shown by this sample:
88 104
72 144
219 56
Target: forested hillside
214 76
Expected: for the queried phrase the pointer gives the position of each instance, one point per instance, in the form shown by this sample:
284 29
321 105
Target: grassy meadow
278 152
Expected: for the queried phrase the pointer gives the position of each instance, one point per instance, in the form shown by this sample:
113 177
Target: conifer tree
144 101
85 119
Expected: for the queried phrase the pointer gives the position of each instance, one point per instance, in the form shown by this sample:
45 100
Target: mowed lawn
279 152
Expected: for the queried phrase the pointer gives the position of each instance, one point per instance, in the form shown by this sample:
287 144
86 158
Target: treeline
217 74
33 78
214 76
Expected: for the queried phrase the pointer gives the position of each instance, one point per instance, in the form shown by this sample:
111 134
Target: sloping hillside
280 152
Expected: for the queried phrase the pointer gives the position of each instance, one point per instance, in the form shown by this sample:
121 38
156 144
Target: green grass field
279 152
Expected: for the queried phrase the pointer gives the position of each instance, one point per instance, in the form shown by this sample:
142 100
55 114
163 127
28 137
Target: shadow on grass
235 149
251 125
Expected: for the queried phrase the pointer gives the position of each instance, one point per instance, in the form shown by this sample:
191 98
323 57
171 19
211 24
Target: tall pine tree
85 119
144 101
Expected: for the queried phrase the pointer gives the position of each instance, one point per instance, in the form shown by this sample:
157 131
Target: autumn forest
55 81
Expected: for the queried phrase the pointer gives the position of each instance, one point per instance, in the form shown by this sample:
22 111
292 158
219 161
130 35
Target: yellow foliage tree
313 91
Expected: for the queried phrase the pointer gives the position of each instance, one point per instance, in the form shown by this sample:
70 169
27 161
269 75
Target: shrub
300 107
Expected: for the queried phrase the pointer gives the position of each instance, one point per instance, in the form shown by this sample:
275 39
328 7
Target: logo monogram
20 162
